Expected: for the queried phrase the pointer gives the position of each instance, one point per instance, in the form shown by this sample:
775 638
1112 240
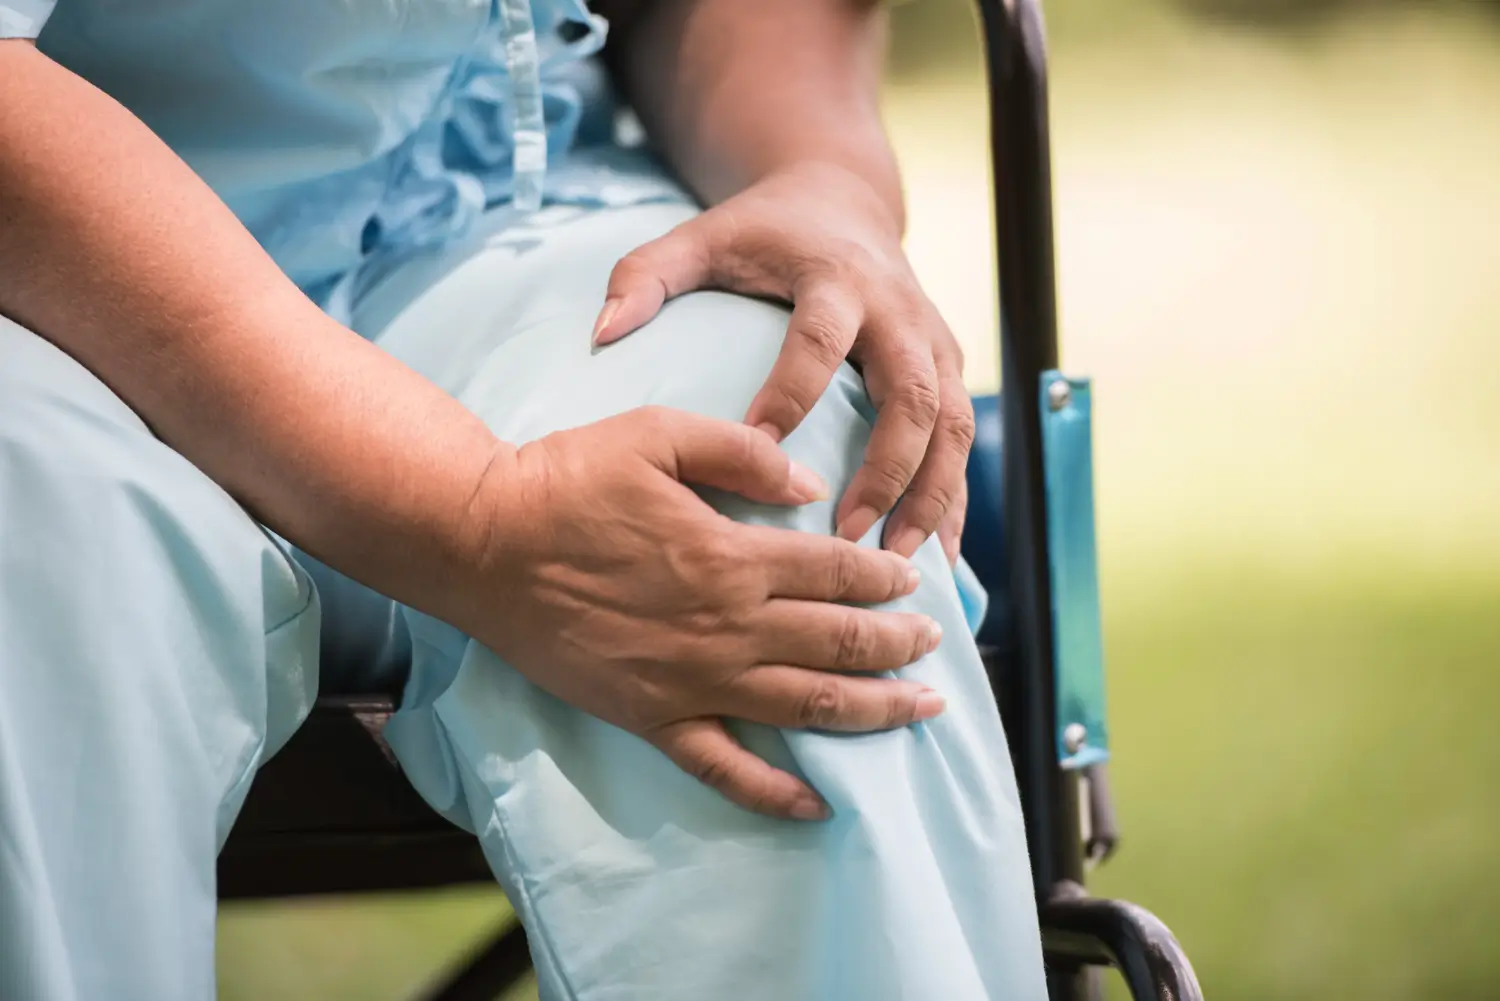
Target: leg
155 645
633 880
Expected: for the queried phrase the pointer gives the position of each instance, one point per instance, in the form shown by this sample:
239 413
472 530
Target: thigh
635 881
503 323
155 647
106 533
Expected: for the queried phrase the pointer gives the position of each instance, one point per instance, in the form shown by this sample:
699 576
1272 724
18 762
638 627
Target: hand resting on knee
612 585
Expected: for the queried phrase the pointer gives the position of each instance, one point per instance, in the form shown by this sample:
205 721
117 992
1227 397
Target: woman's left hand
819 237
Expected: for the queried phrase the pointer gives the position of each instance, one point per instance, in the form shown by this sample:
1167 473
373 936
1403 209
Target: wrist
876 196
497 527
496 509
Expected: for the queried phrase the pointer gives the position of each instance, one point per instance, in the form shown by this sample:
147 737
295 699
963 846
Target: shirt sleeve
24 18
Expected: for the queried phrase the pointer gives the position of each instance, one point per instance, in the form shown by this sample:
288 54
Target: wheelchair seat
332 814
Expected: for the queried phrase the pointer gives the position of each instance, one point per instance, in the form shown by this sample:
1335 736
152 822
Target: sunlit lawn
1279 260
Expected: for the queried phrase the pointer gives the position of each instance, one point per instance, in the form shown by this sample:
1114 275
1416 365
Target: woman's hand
821 238
620 591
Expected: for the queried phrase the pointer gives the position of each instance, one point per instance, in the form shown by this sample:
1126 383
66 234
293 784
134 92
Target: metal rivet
1059 394
1075 735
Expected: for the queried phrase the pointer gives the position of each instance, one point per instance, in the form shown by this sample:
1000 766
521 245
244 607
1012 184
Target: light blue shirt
346 133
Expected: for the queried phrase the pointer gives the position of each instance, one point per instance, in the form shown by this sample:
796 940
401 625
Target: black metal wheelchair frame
331 814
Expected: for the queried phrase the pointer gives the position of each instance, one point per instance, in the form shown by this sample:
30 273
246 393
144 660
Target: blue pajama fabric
157 645
348 133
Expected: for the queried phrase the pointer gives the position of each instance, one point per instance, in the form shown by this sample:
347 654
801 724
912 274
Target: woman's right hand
612 585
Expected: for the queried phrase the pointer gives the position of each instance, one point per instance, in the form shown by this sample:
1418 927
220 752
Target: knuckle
955 351
918 649
900 709
637 260
846 571
840 273
637 711
947 350
653 418
897 573
753 450
711 580
958 427
742 588
824 340
918 399
906 299
936 499
789 405
632 268
706 624
718 555
822 705
756 799
712 769
910 310
888 480
854 643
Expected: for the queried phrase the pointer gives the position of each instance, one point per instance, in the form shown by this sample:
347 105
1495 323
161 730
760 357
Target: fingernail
913 578
934 635
858 524
611 307
930 704
906 541
766 427
808 484
811 808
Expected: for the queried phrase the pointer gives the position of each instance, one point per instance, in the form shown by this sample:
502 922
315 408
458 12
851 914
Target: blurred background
1279 257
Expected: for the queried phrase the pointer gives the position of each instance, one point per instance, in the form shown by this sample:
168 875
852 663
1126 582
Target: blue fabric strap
1078 649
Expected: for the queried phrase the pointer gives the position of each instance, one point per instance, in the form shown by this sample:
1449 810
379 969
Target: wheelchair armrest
1080 930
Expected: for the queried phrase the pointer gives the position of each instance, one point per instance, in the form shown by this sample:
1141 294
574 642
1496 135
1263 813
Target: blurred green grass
1305 778
1276 256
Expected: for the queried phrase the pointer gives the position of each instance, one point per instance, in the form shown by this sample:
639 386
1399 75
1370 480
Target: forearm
732 91
114 250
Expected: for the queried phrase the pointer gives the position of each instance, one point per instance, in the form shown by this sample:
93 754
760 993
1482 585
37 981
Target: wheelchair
331 814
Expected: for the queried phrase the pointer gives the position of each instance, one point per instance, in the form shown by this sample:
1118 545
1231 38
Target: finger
706 751
822 568
951 530
824 323
903 384
939 484
726 455
830 637
796 698
650 275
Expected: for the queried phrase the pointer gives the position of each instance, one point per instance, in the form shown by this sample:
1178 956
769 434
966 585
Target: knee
711 353
705 352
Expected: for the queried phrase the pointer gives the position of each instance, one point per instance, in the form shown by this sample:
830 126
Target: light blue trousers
156 646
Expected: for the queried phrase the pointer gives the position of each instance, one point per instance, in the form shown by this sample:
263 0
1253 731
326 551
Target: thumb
727 455
650 275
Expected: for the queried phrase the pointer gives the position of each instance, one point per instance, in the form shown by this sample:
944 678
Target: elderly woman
352 344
